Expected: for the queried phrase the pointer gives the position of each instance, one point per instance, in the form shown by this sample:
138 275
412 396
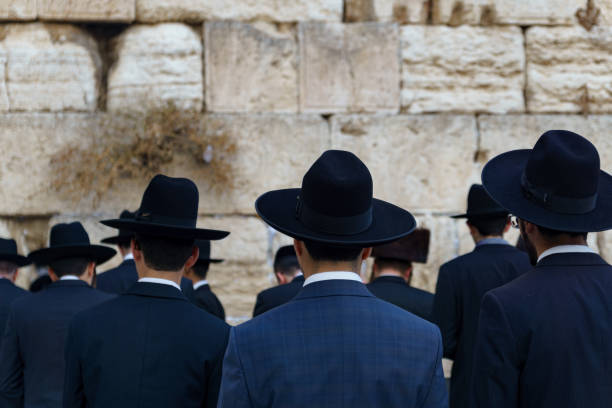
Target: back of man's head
201 269
392 264
489 226
164 254
320 252
7 269
69 266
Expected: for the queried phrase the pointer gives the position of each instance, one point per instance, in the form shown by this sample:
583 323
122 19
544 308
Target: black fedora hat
481 205
557 185
413 248
169 208
124 236
8 253
204 257
335 206
70 241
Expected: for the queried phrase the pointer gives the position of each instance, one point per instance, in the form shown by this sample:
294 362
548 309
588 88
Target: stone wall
424 91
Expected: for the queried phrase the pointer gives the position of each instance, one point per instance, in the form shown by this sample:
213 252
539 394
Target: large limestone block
464 69
267 10
87 10
51 68
400 11
568 69
250 67
417 162
349 67
156 65
605 245
17 9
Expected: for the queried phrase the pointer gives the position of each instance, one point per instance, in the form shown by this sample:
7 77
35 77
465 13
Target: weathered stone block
349 67
250 67
464 69
604 240
267 10
17 9
51 68
568 69
87 10
156 65
417 162
400 11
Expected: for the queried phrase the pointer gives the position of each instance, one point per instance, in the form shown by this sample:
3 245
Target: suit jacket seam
246 385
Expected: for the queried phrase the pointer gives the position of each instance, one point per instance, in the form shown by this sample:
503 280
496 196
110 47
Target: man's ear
280 278
299 247
365 254
91 269
136 251
52 275
15 275
508 225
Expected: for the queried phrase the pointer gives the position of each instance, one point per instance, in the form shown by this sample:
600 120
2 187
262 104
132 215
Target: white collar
562 249
159 281
323 276
128 257
200 284
69 277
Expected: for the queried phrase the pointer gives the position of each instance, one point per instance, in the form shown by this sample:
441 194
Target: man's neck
174 276
389 272
480 238
543 246
320 267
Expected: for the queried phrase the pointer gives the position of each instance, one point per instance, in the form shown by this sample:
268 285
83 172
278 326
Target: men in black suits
544 339
392 272
289 277
203 297
151 347
31 359
10 262
463 282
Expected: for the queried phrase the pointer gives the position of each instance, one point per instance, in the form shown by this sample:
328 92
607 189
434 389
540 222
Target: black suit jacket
544 340
462 283
204 298
8 293
394 289
278 295
147 348
31 360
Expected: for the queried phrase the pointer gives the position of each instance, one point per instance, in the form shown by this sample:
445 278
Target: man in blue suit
10 262
544 339
335 344
31 358
463 281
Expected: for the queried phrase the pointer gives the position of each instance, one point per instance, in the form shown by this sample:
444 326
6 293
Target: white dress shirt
128 256
323 276
69 277
159 281
563 249
200 284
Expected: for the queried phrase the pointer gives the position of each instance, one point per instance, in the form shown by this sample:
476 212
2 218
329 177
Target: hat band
164 219
333 225
556 203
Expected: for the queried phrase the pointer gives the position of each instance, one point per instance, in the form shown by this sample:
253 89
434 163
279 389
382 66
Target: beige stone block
605 245
266 10
17 9
87 10
250 67
400 11
156 65
463 69
4 97
349 67
568 69
51 68
417 162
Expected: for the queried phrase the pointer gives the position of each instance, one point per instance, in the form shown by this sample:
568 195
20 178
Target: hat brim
16 259
389 222
501 178
165 230
481 214
211 260
116 240
98 253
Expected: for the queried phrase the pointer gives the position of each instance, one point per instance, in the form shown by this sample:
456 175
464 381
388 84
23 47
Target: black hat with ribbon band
557 185
413 248
124 236
71 241
169 208
335 206
204 256
481 205
8 253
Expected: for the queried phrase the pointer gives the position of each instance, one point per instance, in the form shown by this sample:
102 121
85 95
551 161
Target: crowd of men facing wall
526 325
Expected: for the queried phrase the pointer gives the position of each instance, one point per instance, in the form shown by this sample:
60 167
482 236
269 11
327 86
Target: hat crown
169 200
480 202
66 234
8 246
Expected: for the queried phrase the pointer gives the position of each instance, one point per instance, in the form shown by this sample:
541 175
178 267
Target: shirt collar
200 284
323 276
69 277
492 241
159 281
562 249
128 257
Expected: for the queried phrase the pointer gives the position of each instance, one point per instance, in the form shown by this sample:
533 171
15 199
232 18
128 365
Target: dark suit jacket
278 295
8 293
462 283
544 340
394 289
204 298
147 348
31 360
334 345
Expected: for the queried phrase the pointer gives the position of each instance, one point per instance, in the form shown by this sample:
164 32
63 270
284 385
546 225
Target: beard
528 246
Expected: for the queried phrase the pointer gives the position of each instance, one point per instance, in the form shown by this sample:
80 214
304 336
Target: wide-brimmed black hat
481 205
412 248
124 235
169 208
70 241
204 257
8 253
557 185
335 206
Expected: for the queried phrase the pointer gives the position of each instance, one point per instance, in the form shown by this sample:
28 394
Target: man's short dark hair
552 234
489 225
69 266
201 269
326 252
124 244
287 265
164 254
390 263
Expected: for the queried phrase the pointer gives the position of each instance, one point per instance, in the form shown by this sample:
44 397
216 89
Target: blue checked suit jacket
334 345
